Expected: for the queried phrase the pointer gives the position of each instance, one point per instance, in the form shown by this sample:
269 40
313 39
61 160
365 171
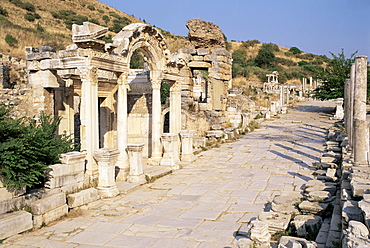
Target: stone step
14 223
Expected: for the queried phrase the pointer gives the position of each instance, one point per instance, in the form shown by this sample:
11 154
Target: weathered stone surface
14 223
307 224
48 203
318 195
294 242
204 34
277 222
199 64
260 232
351 211
54 214
312 207
83 197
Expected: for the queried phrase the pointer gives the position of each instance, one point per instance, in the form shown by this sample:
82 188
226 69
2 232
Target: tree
295 50
265 58
333 77
27 148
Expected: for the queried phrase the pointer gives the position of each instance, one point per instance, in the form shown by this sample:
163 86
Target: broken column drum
187 154
170 144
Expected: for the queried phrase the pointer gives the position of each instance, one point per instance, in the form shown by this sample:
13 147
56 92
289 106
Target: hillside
48 23
252 60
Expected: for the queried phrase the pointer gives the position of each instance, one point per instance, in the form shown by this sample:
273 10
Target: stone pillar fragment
169 141
361 130
281 96
351 103
136 163
106 158
187 153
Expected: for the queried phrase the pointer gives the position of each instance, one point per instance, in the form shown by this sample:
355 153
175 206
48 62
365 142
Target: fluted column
361 130
351 104
122 131
89 118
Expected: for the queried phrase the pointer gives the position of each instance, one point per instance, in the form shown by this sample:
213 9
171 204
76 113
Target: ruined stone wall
14 87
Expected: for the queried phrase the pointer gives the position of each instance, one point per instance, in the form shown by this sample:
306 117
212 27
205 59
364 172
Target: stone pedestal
339 113
273 108
169 141
187 154
106 159
136 163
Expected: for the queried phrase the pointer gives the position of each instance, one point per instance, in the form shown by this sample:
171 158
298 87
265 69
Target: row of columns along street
207 201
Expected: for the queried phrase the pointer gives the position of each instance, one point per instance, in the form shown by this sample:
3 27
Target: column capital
156 84
88 73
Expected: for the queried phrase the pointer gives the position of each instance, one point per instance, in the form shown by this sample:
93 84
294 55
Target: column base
108 192
122 168
187 158
136 179
154 160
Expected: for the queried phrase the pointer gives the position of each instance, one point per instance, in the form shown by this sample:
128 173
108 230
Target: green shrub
11 40
165 91
105 18
114 14
27 148
55 15
302 63
250 43
3 12
93 20
137 60
39 28
29 17
295 50
271 47
100 11
91 7
28 6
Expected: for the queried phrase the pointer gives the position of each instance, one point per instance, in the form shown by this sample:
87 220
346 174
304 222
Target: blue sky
314 26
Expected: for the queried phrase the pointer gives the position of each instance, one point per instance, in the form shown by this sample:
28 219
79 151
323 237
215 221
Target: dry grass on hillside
52 31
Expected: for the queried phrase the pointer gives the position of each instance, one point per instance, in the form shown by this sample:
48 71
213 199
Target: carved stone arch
148 39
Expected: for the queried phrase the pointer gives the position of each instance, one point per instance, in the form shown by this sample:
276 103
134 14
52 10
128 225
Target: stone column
175 113
106 158
287 95
89 118
347 99
187 153
311 83
136 163
122 131
351 104
156 123
170 143
175 108
361 131
303 85
281 96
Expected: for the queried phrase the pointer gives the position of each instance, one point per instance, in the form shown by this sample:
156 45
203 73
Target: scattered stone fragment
260 232
294 242
277 222
312 207
351 211
307 224
319 195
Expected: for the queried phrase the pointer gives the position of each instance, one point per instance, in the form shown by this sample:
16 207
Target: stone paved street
207 202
